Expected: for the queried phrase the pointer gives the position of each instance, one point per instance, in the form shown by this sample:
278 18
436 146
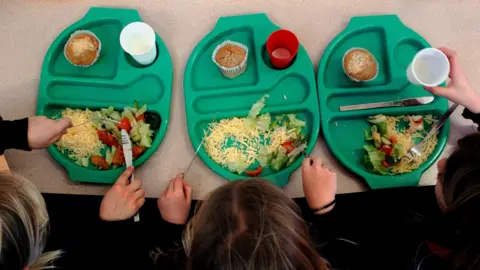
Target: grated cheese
81 141
235 139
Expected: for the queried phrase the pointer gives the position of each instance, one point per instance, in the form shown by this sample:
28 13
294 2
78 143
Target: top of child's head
459 182
249 225
23 225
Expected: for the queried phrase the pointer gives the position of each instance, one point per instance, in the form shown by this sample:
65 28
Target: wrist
324 208
474 103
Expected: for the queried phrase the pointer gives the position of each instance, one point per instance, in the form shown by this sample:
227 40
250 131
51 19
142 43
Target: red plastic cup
282 47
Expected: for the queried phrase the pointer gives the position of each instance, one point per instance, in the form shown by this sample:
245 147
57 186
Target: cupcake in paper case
82 48
360 65
231 58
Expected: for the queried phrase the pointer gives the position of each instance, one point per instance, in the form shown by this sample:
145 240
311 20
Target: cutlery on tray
396 103
127 152
416 150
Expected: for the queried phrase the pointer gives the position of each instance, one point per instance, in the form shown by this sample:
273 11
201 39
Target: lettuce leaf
238 166
257 107
280 159
374 159
263 122
264 157
295 153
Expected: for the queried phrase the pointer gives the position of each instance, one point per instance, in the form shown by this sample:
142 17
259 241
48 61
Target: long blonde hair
249 224
23 225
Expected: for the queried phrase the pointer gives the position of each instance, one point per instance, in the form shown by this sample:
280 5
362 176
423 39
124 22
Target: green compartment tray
291 90
114 80
394 46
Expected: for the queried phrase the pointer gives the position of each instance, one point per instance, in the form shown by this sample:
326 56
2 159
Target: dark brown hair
461 190
249 224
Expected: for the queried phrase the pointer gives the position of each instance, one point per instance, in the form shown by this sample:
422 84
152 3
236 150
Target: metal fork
416 151
101 118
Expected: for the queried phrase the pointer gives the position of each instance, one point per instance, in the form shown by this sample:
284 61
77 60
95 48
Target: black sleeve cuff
14 135
467 114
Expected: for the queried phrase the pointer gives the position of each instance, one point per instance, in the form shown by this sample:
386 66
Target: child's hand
123 199
42 132
174 204
459 89
319 184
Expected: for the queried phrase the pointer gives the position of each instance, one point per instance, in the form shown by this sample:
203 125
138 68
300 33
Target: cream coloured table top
27 28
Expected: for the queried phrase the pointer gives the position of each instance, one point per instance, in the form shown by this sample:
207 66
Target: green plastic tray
208 91
114 80
394 46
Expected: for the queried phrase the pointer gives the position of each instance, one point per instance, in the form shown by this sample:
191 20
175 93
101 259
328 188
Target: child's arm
319 185
174 206
459 90
31 133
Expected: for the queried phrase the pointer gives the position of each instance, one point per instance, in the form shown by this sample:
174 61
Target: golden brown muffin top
230 56
360 64
82 49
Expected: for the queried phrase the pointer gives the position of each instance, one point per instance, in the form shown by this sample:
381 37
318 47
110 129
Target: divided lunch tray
393 45
114 80
291 90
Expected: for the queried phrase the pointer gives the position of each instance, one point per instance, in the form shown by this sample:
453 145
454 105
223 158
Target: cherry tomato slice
288 146
140 117
125 124
385 164
255 172
100 162
107 138
386 149
118 158
137 151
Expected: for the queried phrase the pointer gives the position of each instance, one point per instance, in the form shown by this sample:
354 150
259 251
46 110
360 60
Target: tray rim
43 101
280 178
374 181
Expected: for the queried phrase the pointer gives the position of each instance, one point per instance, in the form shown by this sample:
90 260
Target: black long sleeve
14 135
170 253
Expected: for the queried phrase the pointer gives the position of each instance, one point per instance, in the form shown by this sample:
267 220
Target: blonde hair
23 225
249 224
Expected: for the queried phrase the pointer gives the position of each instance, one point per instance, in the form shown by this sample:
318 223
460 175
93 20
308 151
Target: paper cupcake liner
82 32
235 71
352 78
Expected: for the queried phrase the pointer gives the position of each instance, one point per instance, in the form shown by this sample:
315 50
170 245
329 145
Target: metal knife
127 152
198 149
396 103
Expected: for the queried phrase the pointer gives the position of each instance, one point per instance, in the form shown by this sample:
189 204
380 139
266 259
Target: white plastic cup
138 40
429 67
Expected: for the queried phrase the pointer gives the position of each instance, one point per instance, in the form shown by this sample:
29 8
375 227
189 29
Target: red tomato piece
288 146
255 172
100 162
385 164
118 158
107 138
387 149
125 124
140 117
137 151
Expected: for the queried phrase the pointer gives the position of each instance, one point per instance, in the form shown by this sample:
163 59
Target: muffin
231 58
360 65
82 48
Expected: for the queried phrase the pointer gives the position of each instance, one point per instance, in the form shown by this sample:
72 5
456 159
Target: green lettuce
374 158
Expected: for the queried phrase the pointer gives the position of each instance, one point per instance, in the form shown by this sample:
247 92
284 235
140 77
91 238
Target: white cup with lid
138 40
429 67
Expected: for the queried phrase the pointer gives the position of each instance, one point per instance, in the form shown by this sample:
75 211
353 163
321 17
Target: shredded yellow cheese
235 139
405 138
81 141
